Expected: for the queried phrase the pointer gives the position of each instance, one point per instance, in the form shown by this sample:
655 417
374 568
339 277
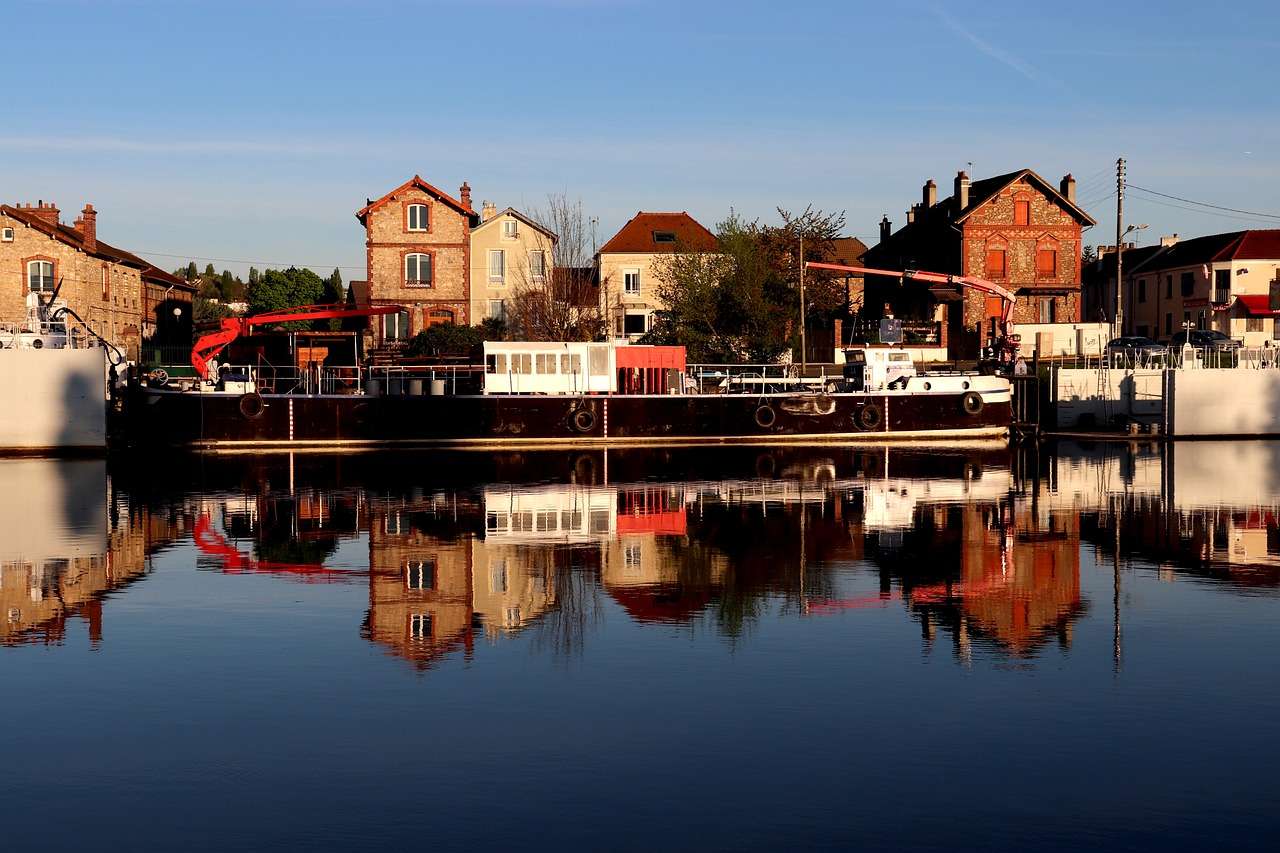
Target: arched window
418 217
40 276
438 316
417 270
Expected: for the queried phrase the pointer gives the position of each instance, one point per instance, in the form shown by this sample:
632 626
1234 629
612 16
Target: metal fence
1212 358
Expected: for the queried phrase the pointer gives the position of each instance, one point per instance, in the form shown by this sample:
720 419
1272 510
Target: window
439 316
995 263
420 626
570 363
1022 212
546 363
106 282
495 363
631 282
1046 263
633 555
1168 287
664 236
6 235
1142 290
419 218
510 228
1049 310
40 276
571 519
522 362
1168 318
634 324
417 270
420 574
496 521
498 309
498 576
1253 324
1222 286
395 327
1188 283
497 265
537 264
391 523
545 520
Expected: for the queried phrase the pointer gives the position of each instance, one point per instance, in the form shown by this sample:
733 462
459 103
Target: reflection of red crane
235 562
209 345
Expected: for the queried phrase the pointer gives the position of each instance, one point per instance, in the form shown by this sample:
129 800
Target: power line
1199 210
1253 213
240 261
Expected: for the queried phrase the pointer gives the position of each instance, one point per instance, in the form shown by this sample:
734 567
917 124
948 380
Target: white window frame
628 276
539 271
420 625
510 229
425 214
501 313
6 235
420 575
431 267
392 323
501 255
43 279
642 315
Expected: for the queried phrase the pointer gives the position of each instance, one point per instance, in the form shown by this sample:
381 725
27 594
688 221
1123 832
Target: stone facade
394 232
117 294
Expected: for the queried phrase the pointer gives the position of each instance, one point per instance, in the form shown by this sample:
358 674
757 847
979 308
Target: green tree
254 275
281 289
334 293
192 272
208 270
205 310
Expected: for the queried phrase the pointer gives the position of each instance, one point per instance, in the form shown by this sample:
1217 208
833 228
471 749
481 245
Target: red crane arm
979 284
209 345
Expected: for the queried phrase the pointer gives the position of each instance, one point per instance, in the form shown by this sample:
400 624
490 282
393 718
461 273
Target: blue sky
253 131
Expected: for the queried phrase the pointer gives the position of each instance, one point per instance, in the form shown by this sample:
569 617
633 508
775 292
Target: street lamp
1120 278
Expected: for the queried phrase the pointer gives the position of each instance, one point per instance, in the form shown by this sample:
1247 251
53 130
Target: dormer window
510 229
418 217
664 236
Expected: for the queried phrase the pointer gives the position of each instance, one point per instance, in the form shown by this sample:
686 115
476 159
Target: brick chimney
911 214
1068 187
930 194
1171 240
87 225
886 228
464 192
47 212
488 210
961 194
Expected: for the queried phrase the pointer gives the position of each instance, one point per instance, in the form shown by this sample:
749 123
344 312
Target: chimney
886 228
488 210
1169 241
1068 187
87 225
962 191
465 193
911 214
930 194
47 212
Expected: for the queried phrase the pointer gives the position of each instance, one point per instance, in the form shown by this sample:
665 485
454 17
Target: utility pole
1119 318
803 355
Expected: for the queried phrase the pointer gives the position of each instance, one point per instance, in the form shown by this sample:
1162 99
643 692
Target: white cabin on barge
575 367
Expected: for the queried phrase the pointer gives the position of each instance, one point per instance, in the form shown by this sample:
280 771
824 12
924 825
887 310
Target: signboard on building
890 330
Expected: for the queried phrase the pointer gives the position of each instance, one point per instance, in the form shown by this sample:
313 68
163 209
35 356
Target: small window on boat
496 363
546 363
496 521
900 356
522 362
571 520
546 520
570 363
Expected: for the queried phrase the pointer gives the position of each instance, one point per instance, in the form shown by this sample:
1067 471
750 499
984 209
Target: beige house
508 251
627 269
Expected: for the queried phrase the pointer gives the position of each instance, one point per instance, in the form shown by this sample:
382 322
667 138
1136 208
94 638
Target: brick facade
389 242
117 294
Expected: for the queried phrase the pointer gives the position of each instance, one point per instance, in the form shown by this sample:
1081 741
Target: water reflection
978 546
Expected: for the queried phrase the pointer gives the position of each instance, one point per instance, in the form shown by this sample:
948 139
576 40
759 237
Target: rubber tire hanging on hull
869 417
765 416
584 420
251 405
972 403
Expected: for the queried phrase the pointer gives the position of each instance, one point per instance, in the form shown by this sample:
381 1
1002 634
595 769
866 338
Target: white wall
1107 393
1059 339
1225 402
53 399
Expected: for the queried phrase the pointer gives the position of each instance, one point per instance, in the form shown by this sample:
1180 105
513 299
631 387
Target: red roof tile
1254 244
640 235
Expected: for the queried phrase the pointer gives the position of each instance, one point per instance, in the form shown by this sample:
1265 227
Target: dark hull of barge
225 421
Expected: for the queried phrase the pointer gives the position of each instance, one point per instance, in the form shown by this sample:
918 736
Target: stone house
418 254
1229 282
628 271
121 297
508 251
1016 230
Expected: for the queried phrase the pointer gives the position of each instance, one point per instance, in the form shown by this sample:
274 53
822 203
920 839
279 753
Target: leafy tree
208 270
192 272
205 310
447 339
209 289
281 289
254 275
334 293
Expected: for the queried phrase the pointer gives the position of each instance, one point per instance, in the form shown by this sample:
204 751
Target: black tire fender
584 420
972 403
765 416
252 406
870 417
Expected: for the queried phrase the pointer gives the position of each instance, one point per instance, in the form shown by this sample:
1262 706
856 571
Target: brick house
122 297
418 251
1017 230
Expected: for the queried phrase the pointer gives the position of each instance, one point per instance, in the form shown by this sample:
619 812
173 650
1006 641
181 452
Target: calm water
705 649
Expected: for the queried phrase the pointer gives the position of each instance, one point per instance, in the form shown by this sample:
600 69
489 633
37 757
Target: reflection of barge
570 393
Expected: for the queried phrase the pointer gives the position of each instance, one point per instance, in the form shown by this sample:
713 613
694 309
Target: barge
565 394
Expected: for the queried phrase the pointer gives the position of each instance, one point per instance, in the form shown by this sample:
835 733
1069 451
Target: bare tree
558 300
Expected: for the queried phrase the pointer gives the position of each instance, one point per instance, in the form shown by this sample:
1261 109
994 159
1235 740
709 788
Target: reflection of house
630 261
1017 230
512 584
509 253
122 297
417 241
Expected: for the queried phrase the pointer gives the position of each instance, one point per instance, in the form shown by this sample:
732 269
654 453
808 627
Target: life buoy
158 378
869 416
972 403
584 420
37 344
765 416
251 405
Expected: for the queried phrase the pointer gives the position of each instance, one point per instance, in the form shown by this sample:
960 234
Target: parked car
1214 344
1135 350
